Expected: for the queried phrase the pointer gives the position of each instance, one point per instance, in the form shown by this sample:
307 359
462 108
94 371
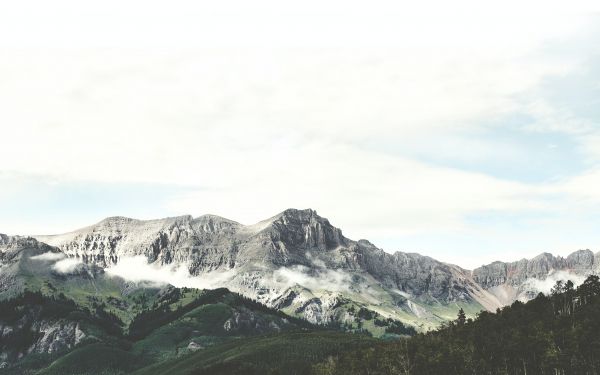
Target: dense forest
554 334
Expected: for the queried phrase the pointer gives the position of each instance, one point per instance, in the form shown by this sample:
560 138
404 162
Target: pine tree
462 318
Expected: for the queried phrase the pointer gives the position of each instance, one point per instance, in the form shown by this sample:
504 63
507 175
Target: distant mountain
299 263
105 289
524 279
295 261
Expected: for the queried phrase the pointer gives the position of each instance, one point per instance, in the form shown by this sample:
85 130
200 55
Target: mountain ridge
298 261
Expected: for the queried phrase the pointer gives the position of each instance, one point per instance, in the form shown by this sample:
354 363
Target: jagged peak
298 213
580 251
292 214
544 255
19 240
212 217
366 243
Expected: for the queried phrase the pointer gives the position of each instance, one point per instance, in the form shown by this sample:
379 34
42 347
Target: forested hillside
555 334
186 331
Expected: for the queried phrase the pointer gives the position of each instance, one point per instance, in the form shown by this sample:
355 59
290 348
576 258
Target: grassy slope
96 358
286 353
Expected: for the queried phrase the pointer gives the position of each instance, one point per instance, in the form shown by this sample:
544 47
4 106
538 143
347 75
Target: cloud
546 285
62 264
67 266
49 256
323 279
137 269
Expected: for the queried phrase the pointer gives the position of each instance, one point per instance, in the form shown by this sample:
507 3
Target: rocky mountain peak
3 239
214 224
8 242
306 229
581 259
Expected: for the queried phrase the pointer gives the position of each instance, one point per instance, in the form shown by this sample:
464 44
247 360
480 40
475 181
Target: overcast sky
457 130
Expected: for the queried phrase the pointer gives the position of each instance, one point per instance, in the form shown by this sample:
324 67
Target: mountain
296 261
114 298
524 279
68 317
299 263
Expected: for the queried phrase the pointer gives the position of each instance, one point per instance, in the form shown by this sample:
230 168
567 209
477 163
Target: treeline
556 334
161 313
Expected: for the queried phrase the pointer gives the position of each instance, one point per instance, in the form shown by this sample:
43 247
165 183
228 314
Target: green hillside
286 353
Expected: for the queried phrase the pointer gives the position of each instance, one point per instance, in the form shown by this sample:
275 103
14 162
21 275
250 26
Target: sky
463 131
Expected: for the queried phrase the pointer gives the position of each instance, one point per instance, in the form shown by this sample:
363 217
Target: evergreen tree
462 318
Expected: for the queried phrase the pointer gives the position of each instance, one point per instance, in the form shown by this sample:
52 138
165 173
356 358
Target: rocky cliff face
32 331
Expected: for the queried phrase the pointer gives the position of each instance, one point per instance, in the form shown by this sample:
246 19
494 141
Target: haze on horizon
465 132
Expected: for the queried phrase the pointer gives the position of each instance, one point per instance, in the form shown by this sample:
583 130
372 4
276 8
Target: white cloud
62 264
546 285
323 279
68 265
137 269
49 256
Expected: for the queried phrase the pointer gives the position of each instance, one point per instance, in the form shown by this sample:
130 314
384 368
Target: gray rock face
516 273
12 246
524 279
50 335
244 320
56 336
582 260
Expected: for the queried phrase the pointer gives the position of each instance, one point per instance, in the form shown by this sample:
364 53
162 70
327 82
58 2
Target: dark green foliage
36 306
365 314
235 299
96 358
558 334
149 320
396 327
23 312
285 353
462 318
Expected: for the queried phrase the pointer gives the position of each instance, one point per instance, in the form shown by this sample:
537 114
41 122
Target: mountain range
148 291
301 264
